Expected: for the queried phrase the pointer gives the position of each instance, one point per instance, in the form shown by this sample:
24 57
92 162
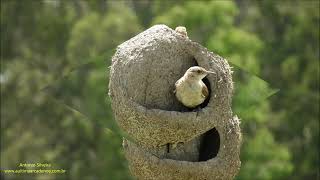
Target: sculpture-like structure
170 142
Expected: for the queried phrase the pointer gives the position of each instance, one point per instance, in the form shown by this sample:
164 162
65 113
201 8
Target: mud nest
168 141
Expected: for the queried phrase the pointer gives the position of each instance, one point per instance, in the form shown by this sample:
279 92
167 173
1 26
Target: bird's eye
198 71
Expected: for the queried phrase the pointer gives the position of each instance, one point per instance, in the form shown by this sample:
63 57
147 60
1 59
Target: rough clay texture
143 73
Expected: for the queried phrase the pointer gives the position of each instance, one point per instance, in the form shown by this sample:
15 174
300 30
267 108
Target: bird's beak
210 72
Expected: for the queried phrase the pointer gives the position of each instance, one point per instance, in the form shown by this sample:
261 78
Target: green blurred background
54 79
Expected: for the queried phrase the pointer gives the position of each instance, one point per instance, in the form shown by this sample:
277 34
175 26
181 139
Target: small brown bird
190 89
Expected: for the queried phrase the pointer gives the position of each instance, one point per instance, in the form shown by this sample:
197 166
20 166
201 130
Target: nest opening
210 145
206 102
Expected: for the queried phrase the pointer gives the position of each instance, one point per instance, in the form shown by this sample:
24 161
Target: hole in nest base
210 145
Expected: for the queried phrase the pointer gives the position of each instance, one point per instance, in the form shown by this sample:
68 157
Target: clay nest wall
169 141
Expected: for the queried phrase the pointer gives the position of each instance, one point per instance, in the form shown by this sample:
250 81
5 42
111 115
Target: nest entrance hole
209 145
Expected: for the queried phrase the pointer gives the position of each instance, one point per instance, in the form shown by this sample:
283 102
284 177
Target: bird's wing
205 91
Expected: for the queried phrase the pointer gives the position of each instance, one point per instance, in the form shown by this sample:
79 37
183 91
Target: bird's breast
190 94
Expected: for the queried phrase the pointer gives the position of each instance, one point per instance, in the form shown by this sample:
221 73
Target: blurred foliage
54 77
89 36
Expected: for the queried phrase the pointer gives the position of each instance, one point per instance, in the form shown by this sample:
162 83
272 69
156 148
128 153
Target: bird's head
197 73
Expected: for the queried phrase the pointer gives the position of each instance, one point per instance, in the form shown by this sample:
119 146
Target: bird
182 31
190 90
